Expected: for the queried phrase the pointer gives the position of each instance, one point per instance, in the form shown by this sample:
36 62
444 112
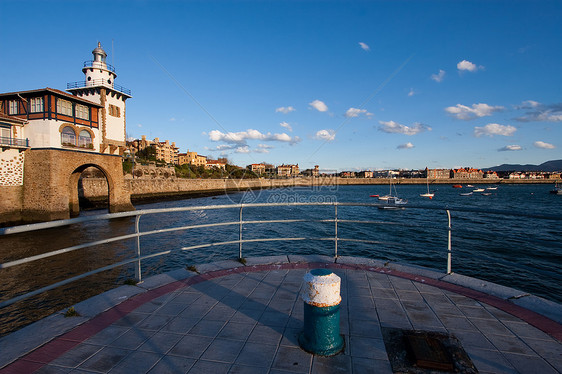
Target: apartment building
215 164
467 173
192 158
164 151
259 169
438 173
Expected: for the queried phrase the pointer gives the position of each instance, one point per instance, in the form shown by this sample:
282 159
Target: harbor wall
140 189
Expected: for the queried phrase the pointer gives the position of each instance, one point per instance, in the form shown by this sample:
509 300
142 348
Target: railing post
240 236
336 230
449 252
138 272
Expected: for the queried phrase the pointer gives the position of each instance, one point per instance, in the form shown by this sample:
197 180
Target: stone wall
154 188
11 167
50 185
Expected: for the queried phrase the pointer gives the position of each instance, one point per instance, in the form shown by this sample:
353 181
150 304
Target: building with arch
47 136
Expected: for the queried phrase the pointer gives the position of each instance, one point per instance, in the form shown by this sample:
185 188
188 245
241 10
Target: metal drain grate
423 352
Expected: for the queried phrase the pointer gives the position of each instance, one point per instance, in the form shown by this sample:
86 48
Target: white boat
491 188
478 190
469 185
466 194
394 202
428 194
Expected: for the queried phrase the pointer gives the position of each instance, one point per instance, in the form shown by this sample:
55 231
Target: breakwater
150 189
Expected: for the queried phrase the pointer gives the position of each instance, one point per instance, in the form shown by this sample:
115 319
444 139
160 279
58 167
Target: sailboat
428 194
392 201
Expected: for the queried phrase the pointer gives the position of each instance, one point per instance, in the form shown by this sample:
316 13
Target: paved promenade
234 318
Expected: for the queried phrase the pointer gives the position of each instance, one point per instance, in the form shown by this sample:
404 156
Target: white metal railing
240 241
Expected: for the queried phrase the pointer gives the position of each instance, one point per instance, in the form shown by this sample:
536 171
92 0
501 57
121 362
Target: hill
550 166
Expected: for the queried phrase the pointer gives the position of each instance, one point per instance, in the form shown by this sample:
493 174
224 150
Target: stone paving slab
267 260
162 279
246 319
218 265
100 303
310 258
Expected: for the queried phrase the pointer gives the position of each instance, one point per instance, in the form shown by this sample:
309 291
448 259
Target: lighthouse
99 87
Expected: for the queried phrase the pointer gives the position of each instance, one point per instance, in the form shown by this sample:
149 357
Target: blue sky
342 84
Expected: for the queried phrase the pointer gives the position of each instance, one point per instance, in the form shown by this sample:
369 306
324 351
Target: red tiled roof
52 90
12 118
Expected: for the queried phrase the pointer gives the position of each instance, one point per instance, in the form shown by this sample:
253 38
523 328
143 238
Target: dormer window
13 107
36 105
64 107
82 112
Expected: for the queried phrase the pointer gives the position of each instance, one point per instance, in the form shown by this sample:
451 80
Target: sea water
519 251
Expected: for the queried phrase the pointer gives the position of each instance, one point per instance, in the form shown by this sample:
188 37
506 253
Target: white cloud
286 125
173 119
250 134
541 144
477 110
538 112
396 128
243 149
528 104
468 66
364 46
326 135
406 146
285 110
439 76
492 129
354 112
411 92
512 147
139 124
319 106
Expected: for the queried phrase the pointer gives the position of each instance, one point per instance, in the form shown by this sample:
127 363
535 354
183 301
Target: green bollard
321 334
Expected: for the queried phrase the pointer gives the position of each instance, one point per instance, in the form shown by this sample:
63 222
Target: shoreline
145 191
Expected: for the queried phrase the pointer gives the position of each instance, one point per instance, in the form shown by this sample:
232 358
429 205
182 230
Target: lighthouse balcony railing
98 64
98 82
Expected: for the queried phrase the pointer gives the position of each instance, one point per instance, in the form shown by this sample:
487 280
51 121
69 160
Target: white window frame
13 107
68 138
84 140
36 105
82 112
64 107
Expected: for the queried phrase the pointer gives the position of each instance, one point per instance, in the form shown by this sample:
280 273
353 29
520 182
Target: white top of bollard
322 288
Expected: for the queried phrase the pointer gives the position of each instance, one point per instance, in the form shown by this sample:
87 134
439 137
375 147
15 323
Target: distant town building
491 175
259 169
438 173
365 174
164 151
312 172
347 174
192 158
211 164
467 173
287 170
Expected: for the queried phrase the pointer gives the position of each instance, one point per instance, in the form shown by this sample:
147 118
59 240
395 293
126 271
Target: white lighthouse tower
99 86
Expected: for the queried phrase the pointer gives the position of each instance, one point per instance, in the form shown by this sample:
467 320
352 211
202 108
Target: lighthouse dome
99 51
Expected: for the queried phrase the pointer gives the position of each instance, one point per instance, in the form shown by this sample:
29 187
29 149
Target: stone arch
73 196
51 182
